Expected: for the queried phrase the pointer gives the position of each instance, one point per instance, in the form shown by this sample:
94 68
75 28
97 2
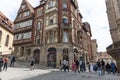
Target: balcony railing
66 26
22 29
51 9
23 41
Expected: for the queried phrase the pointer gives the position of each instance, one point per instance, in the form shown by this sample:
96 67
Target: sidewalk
21 71
37 66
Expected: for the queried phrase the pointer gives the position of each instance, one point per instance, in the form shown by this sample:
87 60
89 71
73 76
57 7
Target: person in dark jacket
1 63
99 68
113 67
32 62
108 68
12 61
103 66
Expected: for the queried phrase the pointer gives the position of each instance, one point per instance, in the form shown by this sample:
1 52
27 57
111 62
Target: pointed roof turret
25 9
29 6
26 4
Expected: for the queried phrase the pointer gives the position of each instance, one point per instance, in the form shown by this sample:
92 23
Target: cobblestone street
24 73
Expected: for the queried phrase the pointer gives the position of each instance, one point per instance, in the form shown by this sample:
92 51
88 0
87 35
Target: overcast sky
93 11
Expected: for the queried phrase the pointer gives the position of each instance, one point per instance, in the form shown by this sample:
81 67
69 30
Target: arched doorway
51 57
36 55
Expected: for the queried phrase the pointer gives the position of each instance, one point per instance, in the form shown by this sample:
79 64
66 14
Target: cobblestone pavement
22 72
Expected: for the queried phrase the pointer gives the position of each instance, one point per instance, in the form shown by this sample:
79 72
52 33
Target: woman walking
74 67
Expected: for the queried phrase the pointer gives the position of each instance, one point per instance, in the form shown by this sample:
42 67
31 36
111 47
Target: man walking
12 61
103 66
5 62
113 67
1 64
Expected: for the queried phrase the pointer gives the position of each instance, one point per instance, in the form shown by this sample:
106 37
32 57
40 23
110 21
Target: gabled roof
6 23
29 6
5 18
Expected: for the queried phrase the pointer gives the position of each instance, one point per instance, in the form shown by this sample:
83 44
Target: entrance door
36 55
51 57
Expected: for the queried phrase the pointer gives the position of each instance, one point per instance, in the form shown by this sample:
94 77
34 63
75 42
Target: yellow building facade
6 35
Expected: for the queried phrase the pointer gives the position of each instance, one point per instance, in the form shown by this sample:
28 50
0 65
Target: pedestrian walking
83 67
67 65
77 66
12 61
95 67
1 63
5 62
88 65
91 67
61 65
99 68
108 68
74 67
32 62
103 66
113 67
64 65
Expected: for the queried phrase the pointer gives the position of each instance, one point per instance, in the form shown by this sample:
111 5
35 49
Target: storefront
36 55
51 57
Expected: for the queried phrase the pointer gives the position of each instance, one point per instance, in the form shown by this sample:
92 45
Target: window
38 26
65 37
23 6
65 21
0 36
64 5
50 4
27 13
7 40
51 21
23 24
19 15
37 40
65 51
27 35
39 12
52 38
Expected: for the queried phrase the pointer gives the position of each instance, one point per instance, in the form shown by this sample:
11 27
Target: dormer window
23 6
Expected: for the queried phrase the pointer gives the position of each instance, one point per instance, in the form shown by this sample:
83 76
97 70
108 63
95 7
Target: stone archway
51 57
36 55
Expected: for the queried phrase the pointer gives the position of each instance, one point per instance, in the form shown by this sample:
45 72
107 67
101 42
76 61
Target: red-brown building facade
52 31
